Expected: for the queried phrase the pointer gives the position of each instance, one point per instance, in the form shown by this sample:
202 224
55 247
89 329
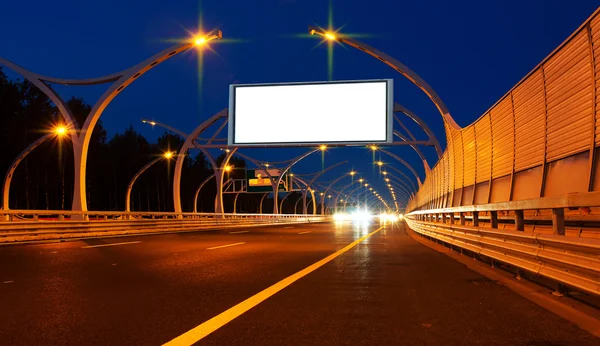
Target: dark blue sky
471 52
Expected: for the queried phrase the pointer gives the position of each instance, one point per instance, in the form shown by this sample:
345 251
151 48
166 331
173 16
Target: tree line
44 180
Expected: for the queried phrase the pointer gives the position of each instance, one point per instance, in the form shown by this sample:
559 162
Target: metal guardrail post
494 219
475 219
462 219
452 218
443 217
519 220
558 221
61 217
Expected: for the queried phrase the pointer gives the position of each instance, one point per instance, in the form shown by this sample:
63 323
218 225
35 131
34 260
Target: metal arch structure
13 166
132 181
335 181
399 159
399 67
285 170
260 208
312 181
398 108
192 141
408 180
81 135
198 191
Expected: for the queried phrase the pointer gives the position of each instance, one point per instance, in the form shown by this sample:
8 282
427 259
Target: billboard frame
389 83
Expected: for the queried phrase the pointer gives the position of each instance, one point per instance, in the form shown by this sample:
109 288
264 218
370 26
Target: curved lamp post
81 135
59 131
393 63
166 155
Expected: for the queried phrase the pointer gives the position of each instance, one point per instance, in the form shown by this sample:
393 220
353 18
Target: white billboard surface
347 112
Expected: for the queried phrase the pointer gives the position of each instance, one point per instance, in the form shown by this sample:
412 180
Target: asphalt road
387 290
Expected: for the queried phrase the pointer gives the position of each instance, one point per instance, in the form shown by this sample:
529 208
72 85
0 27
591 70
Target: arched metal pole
399 159
349 194
312 181
408 180
398 108
392 178
80 136
235 203
296 206
198 191
283 200
130 186
260 210
284 171
396 65
9 175
219 208
340 193
326 192
188 144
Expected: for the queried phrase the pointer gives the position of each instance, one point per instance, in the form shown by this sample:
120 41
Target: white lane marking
114 264
113 244
289 227
222 246
237 232
198 333
304 232
53 252
8 282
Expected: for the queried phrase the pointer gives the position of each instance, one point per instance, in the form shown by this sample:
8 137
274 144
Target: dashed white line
304 232
237 232
289 227
222 246
8 282
113 244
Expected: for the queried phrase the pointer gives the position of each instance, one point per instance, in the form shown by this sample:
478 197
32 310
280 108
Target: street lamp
165 156
59 131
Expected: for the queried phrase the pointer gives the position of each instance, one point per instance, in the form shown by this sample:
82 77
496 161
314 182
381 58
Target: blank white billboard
344 112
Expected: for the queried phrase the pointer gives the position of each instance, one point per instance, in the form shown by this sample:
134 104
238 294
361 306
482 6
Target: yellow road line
236 232
198 333
222 246
304 232
113 244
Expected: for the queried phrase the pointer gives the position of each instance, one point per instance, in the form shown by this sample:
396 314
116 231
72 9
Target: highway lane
389 289
147 292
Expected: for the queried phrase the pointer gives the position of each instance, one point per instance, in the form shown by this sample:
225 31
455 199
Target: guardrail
27 225
556 237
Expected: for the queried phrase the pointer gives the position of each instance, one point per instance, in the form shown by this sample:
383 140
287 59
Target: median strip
198 333
222 246
113 244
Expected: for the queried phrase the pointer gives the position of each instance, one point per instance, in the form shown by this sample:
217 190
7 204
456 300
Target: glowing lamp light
352 173
199 41
228 168
60 130
322 147
168 155
379 163
330 36
361 180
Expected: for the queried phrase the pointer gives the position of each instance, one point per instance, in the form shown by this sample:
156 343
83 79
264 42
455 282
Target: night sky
470 52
